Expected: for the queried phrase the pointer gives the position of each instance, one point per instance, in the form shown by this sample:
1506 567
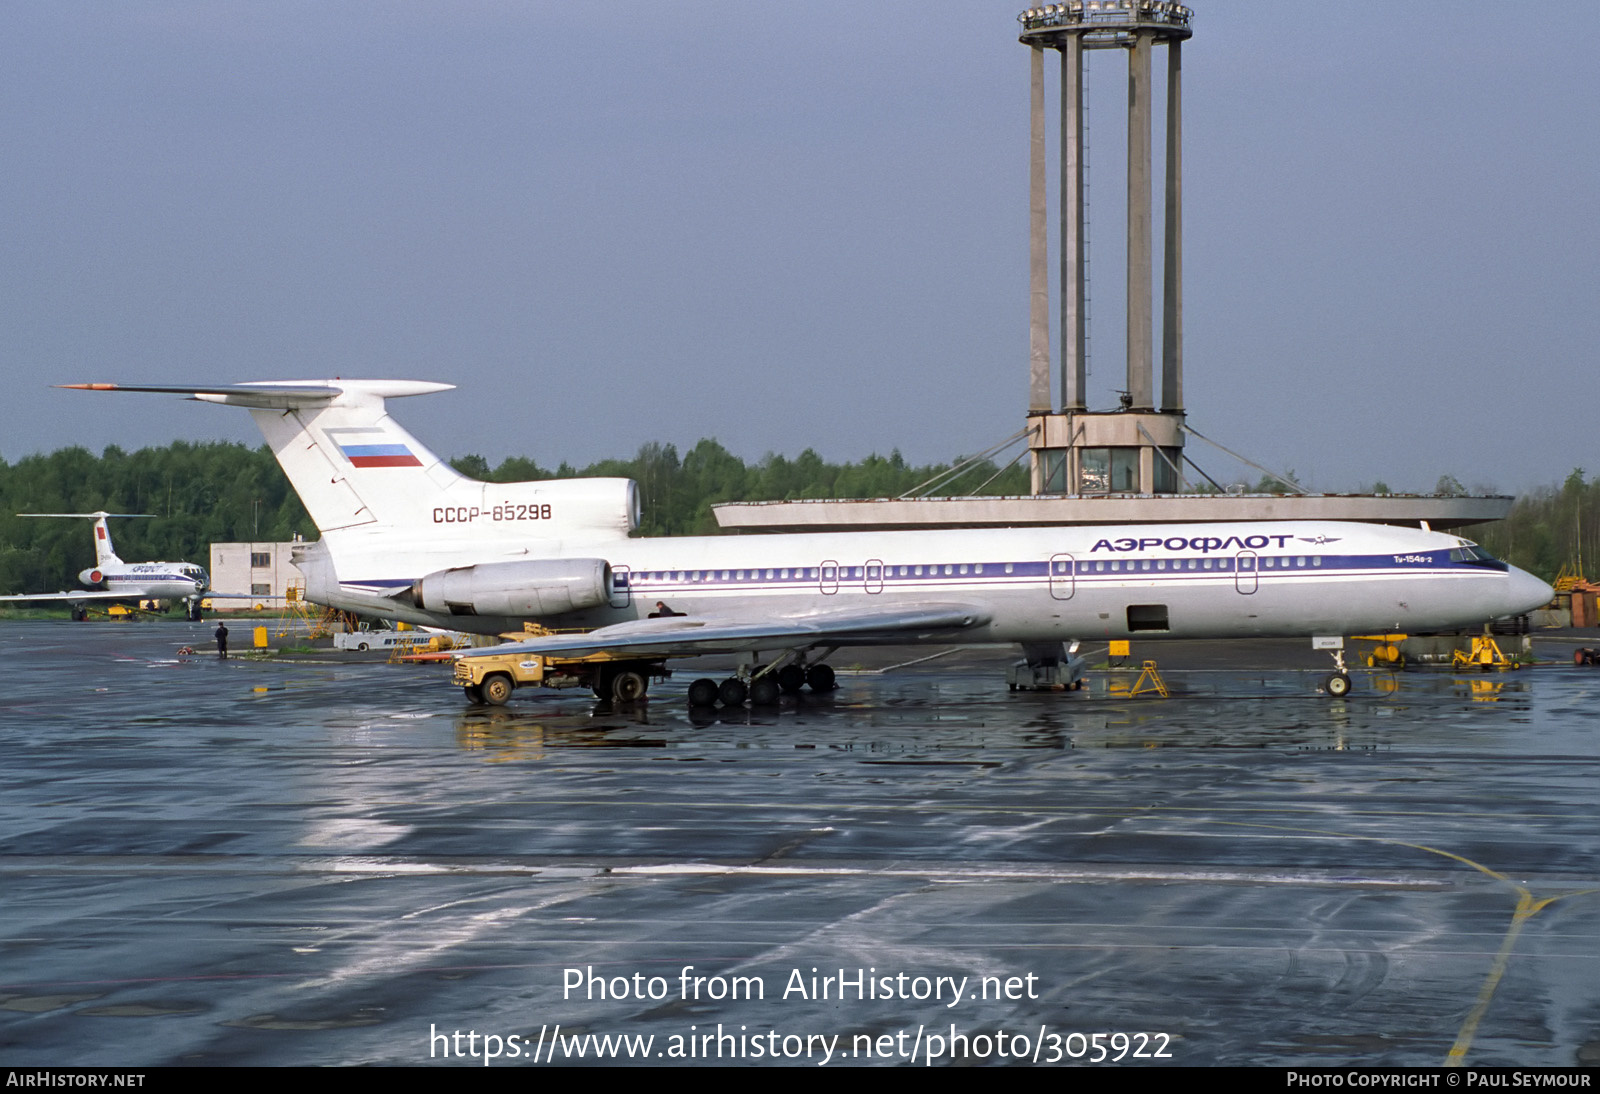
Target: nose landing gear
1336 685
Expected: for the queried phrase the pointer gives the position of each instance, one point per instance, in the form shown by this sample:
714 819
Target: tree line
676 493
1550 529
197 494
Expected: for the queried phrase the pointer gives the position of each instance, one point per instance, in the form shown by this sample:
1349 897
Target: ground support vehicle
491 678
368 638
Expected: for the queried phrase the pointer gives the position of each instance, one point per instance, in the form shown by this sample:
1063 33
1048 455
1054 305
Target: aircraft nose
1524 592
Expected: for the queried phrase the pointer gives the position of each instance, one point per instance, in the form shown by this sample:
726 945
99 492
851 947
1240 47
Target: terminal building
262 570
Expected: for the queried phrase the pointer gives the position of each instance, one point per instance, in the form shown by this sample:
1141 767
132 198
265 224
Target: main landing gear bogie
764 689
791 678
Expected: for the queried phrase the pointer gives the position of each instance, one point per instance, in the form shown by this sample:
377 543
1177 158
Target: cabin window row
1268 562
965 569
825 573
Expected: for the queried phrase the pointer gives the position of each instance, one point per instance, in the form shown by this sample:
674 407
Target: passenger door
828 577
621 587
874 575
1245 576
1062 579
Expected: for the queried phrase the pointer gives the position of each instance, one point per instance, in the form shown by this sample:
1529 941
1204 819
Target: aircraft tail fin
104 552
353 465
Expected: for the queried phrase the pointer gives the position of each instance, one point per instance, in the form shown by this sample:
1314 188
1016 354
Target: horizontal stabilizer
90 516
282 394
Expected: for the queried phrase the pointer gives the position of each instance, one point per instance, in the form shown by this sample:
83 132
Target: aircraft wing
76 598
692 635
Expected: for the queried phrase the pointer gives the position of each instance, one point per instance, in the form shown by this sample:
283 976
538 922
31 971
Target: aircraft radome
405 536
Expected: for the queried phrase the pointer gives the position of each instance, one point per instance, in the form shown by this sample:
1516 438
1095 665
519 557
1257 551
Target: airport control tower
1136 448
1125 464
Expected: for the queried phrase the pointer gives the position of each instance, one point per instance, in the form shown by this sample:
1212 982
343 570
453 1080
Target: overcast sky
792 225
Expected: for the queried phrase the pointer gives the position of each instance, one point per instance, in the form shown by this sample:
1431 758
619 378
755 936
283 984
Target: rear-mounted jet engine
536 588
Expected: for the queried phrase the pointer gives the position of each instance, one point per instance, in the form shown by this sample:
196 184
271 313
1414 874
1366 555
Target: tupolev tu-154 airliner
405 536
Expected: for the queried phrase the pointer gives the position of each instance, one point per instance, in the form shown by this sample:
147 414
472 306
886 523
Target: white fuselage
406 536
148 580
1190 580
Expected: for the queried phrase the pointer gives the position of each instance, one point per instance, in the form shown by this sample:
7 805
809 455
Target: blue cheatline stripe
994 574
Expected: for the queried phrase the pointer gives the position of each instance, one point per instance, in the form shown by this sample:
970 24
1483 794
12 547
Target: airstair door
621 587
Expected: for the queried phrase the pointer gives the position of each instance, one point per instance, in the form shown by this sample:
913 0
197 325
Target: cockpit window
1473 555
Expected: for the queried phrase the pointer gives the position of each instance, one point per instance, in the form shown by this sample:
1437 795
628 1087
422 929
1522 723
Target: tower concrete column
1074 291
1140 363
1172 270
1038 249
1140 360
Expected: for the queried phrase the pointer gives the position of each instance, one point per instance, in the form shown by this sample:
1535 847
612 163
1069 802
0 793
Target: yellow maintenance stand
1148 680
1481 652
1485 655
1386 653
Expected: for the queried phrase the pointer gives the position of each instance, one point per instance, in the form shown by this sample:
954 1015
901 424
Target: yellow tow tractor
488 677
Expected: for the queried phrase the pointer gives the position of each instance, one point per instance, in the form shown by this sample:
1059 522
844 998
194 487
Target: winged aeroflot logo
1319 540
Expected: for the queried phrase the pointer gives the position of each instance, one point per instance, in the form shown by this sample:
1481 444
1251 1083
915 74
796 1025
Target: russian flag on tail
379 455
